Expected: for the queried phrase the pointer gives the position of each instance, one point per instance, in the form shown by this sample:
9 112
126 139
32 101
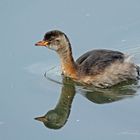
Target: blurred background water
26 93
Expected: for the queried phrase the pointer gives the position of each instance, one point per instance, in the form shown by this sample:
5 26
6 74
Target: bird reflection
57 117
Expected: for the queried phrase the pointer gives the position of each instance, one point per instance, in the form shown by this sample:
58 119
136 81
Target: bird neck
66 98
68 65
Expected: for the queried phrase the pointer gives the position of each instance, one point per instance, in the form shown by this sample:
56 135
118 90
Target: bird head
55 40
53 119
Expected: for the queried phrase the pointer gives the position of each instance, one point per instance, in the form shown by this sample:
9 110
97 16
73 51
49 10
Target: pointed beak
42 119
42 43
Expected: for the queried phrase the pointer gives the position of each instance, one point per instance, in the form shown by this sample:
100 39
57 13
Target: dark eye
57 40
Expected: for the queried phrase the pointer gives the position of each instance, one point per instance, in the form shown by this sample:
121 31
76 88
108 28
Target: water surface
26 93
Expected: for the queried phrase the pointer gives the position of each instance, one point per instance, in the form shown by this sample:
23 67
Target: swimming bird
101 68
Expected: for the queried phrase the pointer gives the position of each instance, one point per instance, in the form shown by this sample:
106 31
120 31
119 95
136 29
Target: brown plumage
101 68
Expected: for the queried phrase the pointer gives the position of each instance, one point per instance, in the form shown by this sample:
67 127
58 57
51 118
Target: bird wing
93 62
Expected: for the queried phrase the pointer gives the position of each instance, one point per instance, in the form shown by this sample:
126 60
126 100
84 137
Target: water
26 93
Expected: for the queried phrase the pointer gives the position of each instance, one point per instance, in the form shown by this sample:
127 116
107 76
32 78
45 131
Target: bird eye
57 40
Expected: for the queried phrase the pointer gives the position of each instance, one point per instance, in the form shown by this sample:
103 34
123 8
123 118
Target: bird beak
42 119
41 43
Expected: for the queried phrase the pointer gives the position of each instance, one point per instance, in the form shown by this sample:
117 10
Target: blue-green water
26 93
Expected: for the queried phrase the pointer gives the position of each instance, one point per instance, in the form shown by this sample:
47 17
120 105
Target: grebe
101 68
